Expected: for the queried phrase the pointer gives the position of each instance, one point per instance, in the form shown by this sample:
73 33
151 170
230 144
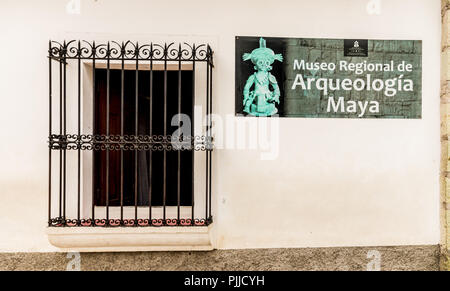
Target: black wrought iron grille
67 99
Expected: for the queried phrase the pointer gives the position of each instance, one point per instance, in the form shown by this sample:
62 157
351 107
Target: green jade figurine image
261 101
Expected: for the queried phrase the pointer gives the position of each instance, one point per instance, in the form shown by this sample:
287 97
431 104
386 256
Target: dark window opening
145 159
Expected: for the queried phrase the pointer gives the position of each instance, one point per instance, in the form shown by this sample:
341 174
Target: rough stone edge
388 258
445 164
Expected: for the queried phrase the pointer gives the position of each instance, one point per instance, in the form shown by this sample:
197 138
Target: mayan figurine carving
261 100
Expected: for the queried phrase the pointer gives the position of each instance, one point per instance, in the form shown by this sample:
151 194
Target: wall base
342 259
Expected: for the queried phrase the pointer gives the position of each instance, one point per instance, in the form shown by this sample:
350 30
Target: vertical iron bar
165 134
79 136
122 103
50 134
210 64
93 131
193 136
150 180
179 124
60 135
206 137
107 130
65 130
136 136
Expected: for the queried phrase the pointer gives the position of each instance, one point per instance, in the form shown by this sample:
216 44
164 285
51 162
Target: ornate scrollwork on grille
58 221
100 142
129 51
142 222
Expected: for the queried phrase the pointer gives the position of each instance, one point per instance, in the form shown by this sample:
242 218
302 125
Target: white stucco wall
336 182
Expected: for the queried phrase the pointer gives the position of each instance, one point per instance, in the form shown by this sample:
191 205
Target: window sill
130 239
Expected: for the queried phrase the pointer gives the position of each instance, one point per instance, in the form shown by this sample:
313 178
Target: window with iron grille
117 154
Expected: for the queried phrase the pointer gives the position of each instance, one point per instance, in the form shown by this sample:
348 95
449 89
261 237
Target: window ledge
130 239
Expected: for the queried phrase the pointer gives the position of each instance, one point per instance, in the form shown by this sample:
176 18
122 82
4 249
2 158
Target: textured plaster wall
334 182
